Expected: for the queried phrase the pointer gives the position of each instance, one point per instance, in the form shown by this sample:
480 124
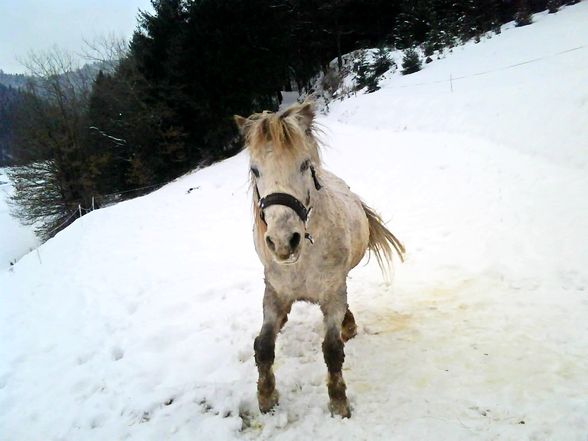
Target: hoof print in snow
84 358
247 419
206 406
117 353
482 412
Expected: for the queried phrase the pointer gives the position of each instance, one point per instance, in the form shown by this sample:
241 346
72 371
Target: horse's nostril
294 241
270 243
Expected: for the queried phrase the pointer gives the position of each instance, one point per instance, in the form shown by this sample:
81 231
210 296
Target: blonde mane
288 132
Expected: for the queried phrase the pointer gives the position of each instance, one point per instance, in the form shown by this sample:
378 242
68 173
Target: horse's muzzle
285 249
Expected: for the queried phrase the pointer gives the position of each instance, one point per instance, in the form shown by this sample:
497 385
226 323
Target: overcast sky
40 24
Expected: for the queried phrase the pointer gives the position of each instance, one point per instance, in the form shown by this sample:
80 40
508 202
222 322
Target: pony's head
284 158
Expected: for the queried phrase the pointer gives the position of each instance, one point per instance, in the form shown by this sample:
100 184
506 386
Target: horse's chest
306 287
312 280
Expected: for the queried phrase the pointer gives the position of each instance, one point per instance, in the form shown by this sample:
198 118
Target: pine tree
382 62
368 74
523 16
362 74
10 99
553 6
413 23
411 62
202 76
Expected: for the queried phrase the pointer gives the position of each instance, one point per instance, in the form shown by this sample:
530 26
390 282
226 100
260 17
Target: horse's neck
324 203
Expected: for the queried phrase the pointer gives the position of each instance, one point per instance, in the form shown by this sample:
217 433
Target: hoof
348 332
267 403
340 408
348 327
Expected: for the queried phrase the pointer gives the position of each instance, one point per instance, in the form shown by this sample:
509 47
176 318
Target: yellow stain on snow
393 321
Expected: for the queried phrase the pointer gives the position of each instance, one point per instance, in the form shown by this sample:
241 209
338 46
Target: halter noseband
287 200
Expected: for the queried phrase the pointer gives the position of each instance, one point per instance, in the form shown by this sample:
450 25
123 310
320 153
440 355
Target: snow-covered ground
16 240
137 322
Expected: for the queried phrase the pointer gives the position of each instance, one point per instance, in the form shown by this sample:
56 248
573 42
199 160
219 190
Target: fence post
451 82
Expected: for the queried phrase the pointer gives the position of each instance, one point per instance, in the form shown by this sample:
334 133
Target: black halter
286 200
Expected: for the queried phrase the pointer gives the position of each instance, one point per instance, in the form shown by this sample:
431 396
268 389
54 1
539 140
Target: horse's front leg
334 312
275 313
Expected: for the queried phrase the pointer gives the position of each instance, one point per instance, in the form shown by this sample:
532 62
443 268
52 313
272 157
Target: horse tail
381 239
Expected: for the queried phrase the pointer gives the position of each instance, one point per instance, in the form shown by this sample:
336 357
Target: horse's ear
241 123
304 113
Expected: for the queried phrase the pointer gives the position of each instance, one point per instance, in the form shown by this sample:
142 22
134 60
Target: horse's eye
304 166
255 171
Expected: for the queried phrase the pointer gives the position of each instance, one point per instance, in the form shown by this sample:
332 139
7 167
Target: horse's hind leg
348 328
334 356
274 316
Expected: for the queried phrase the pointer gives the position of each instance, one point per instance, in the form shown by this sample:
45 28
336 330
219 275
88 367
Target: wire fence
118 193
105 199
451 78
64 223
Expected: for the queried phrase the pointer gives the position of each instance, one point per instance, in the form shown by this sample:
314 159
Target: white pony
310 231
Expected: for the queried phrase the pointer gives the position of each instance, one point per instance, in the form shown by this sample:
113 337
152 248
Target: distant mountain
16 81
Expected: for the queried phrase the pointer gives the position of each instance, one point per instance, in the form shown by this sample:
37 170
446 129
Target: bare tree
105 51
55 173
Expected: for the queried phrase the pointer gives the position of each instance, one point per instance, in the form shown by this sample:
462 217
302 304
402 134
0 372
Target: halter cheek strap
317 184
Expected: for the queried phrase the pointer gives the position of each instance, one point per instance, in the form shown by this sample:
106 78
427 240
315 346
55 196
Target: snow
539 107
137 321
16 240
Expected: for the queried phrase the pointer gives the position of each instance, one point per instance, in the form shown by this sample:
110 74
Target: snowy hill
16 240
524 88
137 321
